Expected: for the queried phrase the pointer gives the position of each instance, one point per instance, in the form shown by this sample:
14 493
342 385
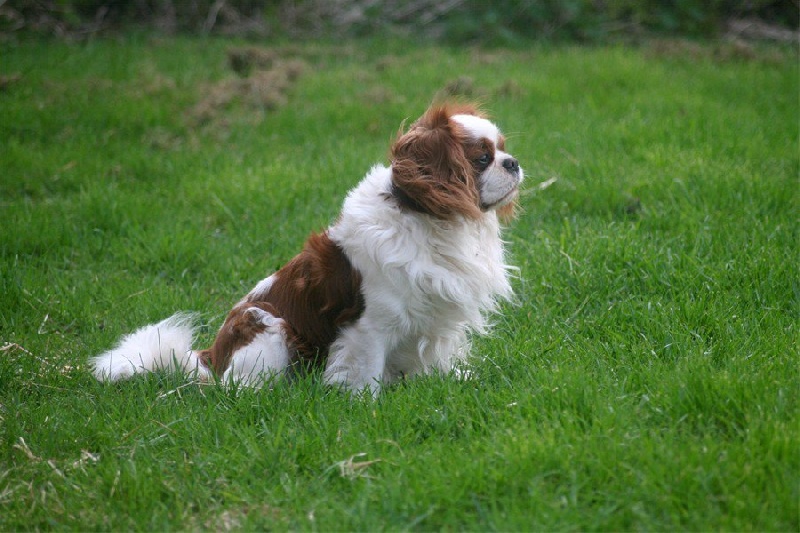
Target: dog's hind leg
265 357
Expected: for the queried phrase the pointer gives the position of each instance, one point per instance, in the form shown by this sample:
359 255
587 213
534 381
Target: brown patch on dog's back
316 294
328 297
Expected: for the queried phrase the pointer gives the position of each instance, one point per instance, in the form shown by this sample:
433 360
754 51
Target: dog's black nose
511 164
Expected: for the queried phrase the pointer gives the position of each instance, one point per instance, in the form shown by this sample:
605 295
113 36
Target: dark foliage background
488 22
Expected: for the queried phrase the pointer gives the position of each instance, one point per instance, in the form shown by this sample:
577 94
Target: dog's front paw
352 380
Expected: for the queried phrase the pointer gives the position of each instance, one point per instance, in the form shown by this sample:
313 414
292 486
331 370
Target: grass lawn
645 379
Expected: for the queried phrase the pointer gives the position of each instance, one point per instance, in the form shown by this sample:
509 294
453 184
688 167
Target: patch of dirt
461 86
380 95
265 77
465 87
6 81
245 59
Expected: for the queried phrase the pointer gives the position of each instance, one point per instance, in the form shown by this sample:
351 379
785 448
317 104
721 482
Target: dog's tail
166 345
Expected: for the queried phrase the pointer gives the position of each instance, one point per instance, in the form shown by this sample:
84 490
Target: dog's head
451 162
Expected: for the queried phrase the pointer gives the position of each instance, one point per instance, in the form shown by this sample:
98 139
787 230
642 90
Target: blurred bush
495 21
593 20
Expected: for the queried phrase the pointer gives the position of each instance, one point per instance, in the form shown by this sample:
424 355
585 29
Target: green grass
645 379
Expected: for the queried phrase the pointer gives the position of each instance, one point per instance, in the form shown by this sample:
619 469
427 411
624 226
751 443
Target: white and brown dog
392 289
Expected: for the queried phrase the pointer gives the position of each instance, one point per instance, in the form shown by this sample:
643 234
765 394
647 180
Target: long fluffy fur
392 289
427 282
166 345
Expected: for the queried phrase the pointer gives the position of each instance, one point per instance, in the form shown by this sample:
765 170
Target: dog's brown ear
430 172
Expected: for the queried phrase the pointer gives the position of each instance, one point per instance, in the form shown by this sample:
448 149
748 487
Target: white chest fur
426 284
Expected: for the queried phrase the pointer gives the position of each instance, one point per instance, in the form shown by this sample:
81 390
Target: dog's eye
484 160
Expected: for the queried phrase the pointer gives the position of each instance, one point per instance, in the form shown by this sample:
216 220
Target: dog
392 289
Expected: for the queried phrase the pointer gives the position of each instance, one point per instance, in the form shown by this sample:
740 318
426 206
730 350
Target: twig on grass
177 390
547 183
24 448
41 330
9 345
351 469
